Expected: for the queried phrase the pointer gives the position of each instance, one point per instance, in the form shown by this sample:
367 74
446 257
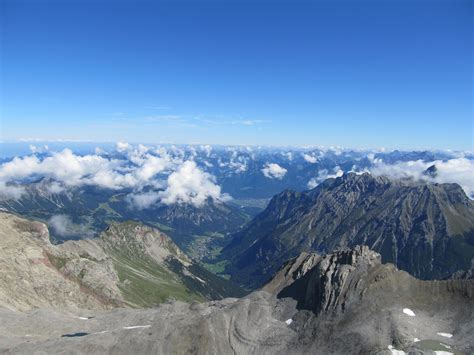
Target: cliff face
326 284
425 229
29 276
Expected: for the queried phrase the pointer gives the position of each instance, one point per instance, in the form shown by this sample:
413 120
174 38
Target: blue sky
394 74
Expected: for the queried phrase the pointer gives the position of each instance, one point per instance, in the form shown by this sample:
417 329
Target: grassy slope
145 283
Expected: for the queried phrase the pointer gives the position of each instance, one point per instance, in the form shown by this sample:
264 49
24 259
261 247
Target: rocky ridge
352 303
130 265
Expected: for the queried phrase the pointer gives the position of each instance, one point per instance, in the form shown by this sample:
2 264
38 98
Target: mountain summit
423 228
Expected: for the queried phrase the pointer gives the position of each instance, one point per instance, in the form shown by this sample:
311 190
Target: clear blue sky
350 73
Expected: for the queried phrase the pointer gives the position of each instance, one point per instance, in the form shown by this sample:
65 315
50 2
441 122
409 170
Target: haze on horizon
363 75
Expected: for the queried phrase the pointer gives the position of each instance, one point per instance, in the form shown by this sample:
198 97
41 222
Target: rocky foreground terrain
130 265
344 302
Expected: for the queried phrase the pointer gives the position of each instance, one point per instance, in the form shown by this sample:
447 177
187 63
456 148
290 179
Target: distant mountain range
86 210
426 229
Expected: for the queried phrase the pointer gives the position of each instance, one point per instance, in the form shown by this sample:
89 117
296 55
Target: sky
362 74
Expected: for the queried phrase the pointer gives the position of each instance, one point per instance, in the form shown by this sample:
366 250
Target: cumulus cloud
274 171
152 165
310 158
206 163
55 188
63 226
36 149
207 149
122 147
459 170
64 166
143 200
323 175
142 167
288 155
70 169
189 184
10 192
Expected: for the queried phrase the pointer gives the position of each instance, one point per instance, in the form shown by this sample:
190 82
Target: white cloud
122 146
310 158
152 165
138 170
63 226
207 149
189 184
144 200
55 188
323 175
288 155
273 171
459 170
64 166
10 192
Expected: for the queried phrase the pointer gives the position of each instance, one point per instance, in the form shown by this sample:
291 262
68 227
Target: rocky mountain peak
336 277
325 284
432 171
421 227
359 255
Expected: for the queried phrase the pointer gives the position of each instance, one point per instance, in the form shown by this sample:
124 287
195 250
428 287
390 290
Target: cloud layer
171 174
460 170
136 169
323 175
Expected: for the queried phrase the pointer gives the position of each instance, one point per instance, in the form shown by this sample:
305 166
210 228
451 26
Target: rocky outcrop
326 284
29 274
130 265
426 229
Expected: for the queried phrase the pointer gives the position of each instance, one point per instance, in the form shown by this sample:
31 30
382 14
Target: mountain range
425 229
84 211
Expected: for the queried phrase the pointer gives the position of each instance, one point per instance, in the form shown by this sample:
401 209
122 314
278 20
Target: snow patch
83 318
395 351
446 335
441 352
199 279
137 326
408 312
416 340
289 321
445 345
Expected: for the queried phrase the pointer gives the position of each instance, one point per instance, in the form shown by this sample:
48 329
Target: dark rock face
333 280
432 171
425 229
